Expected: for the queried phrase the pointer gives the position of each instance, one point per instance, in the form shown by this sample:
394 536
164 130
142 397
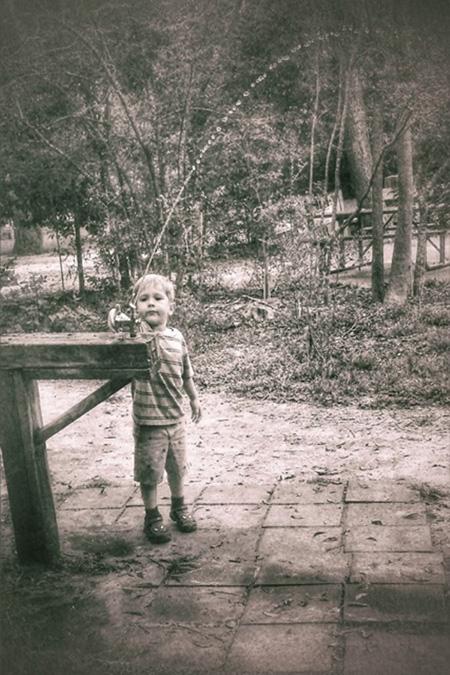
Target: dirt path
230 274
239 436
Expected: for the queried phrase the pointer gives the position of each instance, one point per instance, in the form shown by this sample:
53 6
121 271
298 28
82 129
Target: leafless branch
110 74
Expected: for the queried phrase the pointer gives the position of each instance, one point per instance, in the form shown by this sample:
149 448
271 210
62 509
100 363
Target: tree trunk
377 205
314 119
124 271
425 192
58 248
342 113
79 255
266 271
421 254
400 279
358 142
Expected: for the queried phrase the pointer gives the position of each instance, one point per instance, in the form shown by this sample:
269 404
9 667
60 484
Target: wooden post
26 470
360 246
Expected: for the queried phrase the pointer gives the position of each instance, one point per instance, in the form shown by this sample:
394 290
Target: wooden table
24 359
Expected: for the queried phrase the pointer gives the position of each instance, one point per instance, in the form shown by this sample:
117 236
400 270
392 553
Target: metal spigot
120 322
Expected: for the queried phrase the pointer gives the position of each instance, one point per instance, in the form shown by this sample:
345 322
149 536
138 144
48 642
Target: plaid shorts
157 448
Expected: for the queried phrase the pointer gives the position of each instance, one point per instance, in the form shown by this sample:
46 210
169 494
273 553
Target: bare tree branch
117 89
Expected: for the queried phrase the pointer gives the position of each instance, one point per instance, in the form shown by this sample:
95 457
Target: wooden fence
354 249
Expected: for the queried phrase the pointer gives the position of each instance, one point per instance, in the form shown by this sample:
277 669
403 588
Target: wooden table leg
26 470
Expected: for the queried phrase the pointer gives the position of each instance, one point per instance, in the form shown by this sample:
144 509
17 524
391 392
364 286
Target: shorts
159 448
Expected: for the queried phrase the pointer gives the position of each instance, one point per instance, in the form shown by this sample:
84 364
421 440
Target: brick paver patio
289 577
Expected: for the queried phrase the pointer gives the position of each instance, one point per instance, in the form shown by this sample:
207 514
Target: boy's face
154 306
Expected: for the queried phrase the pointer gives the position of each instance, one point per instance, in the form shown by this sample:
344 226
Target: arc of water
223 120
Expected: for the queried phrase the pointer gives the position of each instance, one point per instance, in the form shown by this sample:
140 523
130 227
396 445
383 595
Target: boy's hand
196 410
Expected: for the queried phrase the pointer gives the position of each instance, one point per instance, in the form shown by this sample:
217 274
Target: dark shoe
184 521
155 530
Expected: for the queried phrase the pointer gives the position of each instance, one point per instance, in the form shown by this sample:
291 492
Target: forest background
177 134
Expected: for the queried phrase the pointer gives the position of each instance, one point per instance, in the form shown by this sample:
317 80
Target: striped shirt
157 400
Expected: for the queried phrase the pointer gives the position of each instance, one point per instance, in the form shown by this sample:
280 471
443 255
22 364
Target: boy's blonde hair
158 280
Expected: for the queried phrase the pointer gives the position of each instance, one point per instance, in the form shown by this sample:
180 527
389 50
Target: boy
157 407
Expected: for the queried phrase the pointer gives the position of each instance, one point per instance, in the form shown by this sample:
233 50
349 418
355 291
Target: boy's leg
149 496
154 528
176 485
179 513
150 450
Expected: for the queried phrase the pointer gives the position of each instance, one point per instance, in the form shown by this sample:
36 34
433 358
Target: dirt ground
231 274
238 436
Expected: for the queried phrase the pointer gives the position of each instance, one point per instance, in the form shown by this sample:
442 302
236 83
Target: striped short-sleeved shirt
157 400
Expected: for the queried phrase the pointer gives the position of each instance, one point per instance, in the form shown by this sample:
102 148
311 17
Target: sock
177 503
153 514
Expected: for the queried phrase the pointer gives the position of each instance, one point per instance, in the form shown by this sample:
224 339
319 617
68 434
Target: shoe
156 531
184 521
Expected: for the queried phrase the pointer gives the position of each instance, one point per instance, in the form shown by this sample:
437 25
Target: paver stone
301 556
299 648
380 491
395 602
236 494
388 538
385 513
98 498
374 651
293 604
229 516
289 492
211 558
204 605
397 568
303 515
86 520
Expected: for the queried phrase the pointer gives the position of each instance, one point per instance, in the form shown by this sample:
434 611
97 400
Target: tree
377 202
358 140
400 281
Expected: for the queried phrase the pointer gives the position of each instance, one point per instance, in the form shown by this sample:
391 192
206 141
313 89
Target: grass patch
351 350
